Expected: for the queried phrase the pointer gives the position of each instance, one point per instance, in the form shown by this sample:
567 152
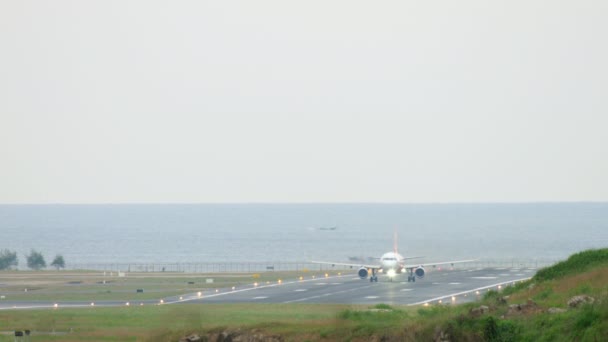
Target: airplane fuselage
391 261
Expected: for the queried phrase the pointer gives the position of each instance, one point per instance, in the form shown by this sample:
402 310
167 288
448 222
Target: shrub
576 263
7 259
35 260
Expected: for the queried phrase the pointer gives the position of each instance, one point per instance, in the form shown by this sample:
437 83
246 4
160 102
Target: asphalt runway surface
444 286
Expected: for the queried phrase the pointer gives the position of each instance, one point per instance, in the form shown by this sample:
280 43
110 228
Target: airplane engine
419 272
363 273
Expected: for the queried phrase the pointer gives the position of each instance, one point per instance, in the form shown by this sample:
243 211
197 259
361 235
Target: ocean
204 233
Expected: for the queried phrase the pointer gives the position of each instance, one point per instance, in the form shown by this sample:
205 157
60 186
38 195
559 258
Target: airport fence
257 267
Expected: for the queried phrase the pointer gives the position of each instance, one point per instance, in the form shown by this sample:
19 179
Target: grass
575 264
166 321
95 286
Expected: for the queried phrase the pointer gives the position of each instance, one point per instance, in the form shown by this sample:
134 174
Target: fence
256 267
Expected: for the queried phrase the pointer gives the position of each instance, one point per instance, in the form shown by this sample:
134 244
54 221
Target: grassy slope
583 273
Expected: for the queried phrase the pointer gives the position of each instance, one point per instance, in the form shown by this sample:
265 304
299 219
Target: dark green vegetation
58 262
523 316
35 260
522 312
576 263
8 259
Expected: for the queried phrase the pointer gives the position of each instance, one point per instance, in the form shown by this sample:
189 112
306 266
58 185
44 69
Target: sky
303 101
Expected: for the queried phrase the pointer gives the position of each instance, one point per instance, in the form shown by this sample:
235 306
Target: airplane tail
395 241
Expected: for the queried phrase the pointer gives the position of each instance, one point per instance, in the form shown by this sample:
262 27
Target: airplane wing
346 264
412 257
439 263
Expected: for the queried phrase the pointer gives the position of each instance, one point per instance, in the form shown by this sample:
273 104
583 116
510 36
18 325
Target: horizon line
312 203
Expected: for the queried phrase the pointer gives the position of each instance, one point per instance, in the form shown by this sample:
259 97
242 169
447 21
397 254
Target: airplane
392 263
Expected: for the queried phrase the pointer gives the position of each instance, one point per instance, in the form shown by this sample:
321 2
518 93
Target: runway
445 286
462 284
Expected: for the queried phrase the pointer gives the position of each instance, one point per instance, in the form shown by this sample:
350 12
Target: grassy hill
536 310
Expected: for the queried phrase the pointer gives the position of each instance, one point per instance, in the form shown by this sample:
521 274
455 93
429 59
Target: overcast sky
303 101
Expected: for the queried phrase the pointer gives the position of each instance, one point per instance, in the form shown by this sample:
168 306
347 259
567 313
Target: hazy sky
303 101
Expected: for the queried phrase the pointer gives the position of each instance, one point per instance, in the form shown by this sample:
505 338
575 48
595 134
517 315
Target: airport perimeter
280 266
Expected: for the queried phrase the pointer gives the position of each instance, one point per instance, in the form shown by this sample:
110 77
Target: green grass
576 263
90 286
165 321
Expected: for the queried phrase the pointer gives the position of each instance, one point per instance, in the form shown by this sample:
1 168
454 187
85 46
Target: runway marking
519 274
194 297
327 294
262 297
465 292
321 284
372 297
454 283
300 290
336 284
435 283
484 277
402 290
504 275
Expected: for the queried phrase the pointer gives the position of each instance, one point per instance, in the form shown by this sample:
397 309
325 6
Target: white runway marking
435 283
406 290
503 275
484 277
300 290
454 283
335 284
465 292
259 297
372 297
519 274
328 294
320 283
242 290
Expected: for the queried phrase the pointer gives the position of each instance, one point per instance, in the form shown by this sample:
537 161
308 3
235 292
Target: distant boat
328 228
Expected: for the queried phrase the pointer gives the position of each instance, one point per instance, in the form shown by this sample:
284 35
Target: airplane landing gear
411 277
374 277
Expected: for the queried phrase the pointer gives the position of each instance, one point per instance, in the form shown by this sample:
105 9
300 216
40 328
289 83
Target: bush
574 264
7 259
500 331
58 262
35 260
491 295
383 306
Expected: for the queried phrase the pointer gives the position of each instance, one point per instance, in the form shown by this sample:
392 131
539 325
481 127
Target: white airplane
392 263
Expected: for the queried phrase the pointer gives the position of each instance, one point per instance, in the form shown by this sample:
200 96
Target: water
201 233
